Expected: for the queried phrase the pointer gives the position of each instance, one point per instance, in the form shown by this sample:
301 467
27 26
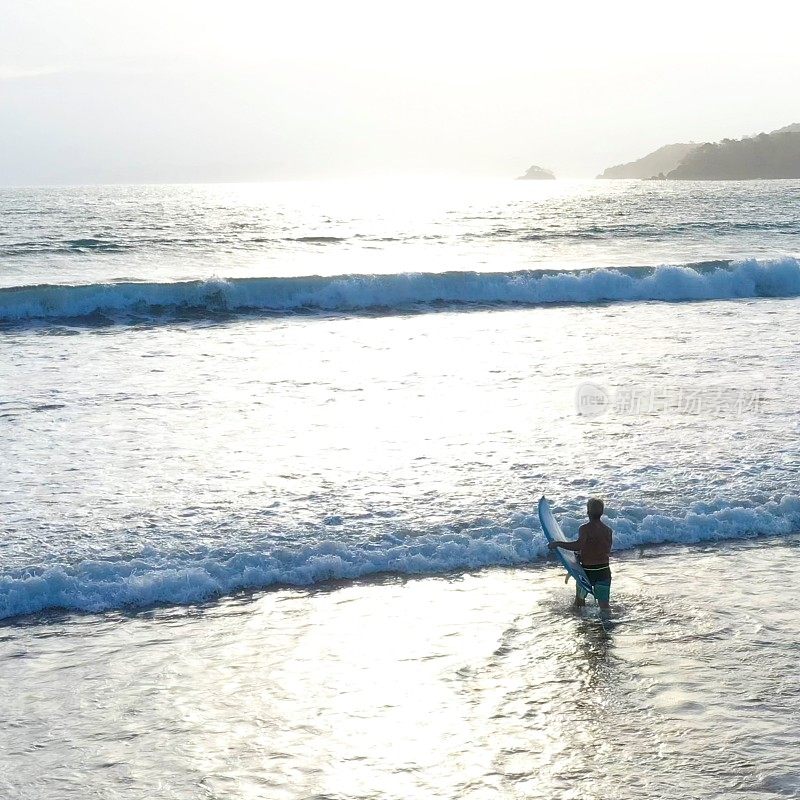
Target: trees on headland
768 155
765 156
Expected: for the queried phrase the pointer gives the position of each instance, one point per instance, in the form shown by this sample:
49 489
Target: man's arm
574 546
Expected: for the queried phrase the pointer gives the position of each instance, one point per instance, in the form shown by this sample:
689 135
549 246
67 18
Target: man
593 548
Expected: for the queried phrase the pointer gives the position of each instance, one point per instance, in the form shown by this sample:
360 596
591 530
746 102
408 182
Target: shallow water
482 684
182 461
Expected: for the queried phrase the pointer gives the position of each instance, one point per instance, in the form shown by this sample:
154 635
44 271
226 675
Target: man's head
594 508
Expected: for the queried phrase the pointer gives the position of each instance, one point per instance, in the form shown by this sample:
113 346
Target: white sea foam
154 577
351 293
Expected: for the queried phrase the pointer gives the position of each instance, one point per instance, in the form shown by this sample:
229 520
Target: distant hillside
661 161
535 173
793 128
768 155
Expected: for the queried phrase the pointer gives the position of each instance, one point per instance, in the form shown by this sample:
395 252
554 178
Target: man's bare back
594 540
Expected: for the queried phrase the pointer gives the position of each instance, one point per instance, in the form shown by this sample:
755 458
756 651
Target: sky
96 91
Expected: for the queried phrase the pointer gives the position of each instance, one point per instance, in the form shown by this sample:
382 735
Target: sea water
269 471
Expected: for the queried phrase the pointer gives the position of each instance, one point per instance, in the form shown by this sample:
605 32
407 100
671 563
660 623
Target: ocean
269 479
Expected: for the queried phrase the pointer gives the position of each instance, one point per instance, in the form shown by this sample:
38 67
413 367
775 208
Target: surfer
593 547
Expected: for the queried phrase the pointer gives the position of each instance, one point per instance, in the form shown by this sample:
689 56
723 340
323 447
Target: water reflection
557 669
473 686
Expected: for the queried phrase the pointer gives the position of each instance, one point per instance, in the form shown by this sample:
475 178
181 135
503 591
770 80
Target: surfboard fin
566 580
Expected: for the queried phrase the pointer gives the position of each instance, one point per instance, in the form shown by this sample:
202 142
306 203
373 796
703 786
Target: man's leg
580 596
602 591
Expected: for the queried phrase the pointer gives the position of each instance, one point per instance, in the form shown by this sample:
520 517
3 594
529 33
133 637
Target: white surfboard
568 558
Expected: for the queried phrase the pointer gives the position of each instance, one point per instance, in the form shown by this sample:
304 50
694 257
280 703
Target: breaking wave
398 292
153 577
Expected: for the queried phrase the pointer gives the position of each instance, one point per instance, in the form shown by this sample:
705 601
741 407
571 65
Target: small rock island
535 173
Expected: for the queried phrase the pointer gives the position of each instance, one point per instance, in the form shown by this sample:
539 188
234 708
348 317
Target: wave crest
398 292
153 577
